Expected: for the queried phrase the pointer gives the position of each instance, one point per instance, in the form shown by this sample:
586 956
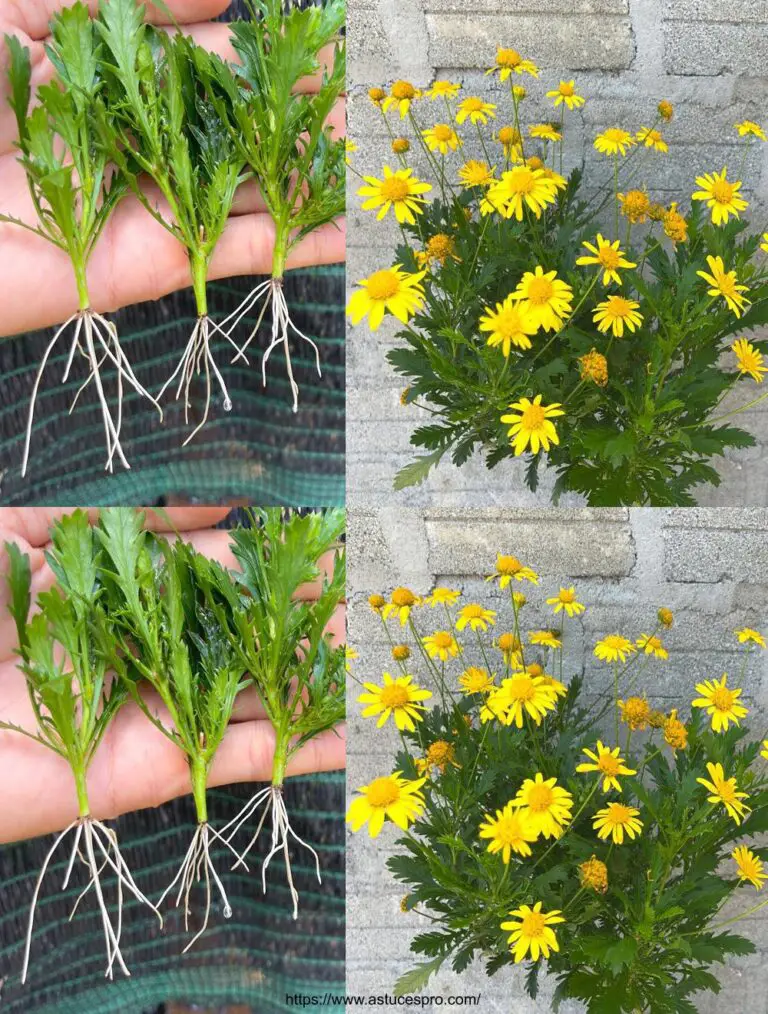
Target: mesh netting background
256 958
260 452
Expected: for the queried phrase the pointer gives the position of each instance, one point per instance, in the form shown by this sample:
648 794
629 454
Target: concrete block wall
710 566
707 57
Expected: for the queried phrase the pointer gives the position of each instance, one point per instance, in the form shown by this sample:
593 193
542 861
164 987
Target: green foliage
648 941
280 133
61 150
277 633
62 648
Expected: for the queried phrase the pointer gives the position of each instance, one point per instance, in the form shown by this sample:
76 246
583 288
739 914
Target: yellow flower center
722 191
509 135
618 813
473 105
473 611
523 182
442 639
383 792
567 88
509 565
383 285
540 291
394 189
609 257
521 689
533 418
508 642
723 699
619 307
441 247
403 597
533 925
507 830
394 696
442 132
534 162
508 58
403 90
615 135
440 753
609 765
540 798
727 791
535 669
727 284
567 595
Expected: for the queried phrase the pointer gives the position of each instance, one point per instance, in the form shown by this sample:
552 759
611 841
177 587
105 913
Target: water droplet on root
227 912
227 405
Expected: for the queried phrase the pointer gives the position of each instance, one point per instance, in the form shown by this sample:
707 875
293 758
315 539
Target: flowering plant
577 317
598 833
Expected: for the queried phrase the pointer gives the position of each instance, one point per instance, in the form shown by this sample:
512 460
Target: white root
97 341
196 868
272 293
197 360
271 799
92 837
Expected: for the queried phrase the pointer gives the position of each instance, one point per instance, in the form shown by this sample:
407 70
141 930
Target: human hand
136 765
136 259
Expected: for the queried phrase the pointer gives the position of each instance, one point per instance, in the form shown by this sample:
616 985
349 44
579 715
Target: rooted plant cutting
167 636
576 322
74 191
281 640
597 833
282 136
64 651
159 123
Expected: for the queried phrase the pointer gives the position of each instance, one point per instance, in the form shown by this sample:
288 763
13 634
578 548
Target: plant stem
199 266
280 256
81 281
281 757
84 807
198 771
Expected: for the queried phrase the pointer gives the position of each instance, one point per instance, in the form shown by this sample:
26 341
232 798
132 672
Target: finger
33 16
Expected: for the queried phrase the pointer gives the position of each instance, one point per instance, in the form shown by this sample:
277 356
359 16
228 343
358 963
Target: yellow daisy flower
726 284
566 93
531 932
391 290
350 656
510 140
510 646
443 89
545 804
749 866
545 638
400 604
442 644
509 324
509 61
443 597
614 648
442 137
377 602
652 139
476 174
747 635
559 689
615 313
545 297
635 712
401 652
675 733
376 95
609 763
721 196
609 256
675 225
614 141
439 755
401 95
545 132
614 820
749 359
398 698
399 190
566 600
652 646
531 425
522 695
475 110
519 188
475 681
748 128
666 618
635 206
475 616
509 832
401 145
724 790
593 875
666 110
720 703
393 797
509 568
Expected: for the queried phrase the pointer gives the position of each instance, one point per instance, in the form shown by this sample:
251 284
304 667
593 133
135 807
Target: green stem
199 268
281 756
198 772
84 808
81 280
280 257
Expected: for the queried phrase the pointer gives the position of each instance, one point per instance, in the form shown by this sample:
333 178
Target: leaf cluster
64 647
73 188
645 437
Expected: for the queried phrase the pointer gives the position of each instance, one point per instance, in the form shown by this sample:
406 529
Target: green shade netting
256 958
260 452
